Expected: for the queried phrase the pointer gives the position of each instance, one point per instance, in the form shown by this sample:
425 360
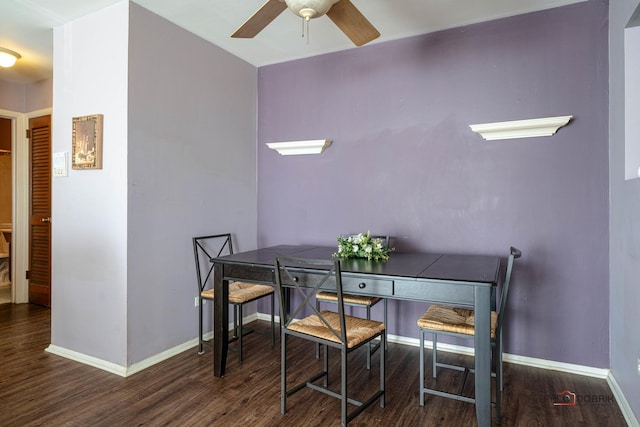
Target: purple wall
405 163
25 98
12 96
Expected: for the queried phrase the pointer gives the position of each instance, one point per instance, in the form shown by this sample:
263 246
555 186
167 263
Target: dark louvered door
40 229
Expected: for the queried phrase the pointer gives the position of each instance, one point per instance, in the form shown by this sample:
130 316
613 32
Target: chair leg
273 322
240 331
325 382
200 340
386 341
369 344
499 368
421 367
283 373
498 406
235 321
435 354
499 383
343 386
317 344
383 355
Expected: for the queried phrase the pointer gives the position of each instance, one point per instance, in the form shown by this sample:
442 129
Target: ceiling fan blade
352 22
259 20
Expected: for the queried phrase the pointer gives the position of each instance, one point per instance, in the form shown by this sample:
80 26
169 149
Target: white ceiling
26 25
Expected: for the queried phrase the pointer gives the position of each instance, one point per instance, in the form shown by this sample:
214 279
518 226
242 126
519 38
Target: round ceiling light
8 57
310 8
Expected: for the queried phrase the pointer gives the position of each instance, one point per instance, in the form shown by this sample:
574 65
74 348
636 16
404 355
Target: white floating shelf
521 128
290 148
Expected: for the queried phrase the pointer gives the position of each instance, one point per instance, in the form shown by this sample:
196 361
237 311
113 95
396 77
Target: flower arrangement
362 246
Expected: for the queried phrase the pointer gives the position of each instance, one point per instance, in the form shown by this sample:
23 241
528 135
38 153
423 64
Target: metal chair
304 278
361 301
205 249
459 322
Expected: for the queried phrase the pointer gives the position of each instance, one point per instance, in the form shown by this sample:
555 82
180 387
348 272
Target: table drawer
351 284
248 273
435 292
365 285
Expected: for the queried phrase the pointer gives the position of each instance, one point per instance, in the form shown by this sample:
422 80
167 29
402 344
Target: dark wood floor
38 388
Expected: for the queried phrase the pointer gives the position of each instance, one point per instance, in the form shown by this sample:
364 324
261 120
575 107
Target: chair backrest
513 254
385 239
289 274
205 248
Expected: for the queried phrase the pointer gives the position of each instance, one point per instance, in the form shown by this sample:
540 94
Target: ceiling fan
342 12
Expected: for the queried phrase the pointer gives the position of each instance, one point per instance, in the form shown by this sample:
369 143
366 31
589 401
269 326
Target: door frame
20 200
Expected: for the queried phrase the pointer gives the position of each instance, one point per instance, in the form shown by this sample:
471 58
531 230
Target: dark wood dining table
453 279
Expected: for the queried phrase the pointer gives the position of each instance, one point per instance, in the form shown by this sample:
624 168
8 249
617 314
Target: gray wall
404 163
624 223
192 171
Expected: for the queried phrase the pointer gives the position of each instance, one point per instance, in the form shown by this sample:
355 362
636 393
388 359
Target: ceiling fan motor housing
310 8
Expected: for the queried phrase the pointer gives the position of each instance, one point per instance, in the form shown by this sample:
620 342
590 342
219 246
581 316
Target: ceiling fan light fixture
8 57
308 9
307 13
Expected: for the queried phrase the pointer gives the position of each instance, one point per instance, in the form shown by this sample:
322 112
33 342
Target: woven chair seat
241 292
358 330
348 299
453 319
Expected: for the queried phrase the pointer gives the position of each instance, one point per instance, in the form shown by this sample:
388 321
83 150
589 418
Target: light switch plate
60 164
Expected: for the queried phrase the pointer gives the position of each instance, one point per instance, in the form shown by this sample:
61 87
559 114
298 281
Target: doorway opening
6 185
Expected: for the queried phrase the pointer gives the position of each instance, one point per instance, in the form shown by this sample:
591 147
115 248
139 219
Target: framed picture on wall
86 146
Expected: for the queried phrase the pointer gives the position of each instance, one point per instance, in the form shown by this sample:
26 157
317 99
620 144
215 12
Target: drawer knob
362 285
295 279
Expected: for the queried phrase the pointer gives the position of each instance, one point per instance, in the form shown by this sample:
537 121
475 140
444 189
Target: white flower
362 246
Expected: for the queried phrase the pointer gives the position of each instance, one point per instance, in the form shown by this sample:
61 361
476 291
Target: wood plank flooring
41 389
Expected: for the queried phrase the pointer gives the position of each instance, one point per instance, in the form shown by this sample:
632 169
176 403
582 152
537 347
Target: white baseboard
157 358
114 368
510 358
125 371
111 367
553 365
628 414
